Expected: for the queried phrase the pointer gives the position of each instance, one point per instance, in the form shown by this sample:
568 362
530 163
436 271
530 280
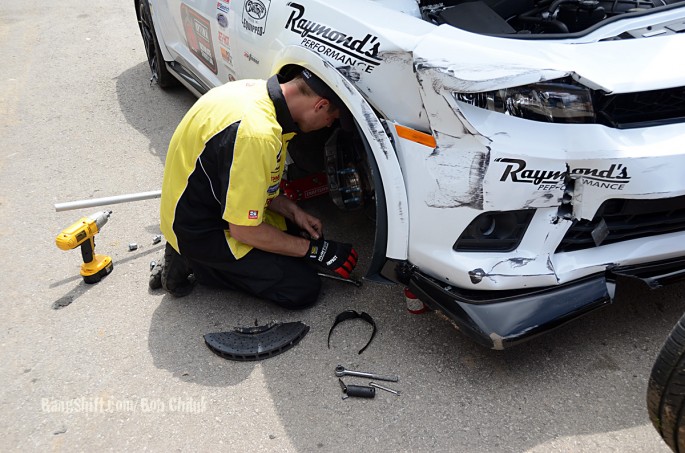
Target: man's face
318 116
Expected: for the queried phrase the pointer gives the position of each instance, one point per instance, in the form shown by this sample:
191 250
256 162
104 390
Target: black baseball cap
319 87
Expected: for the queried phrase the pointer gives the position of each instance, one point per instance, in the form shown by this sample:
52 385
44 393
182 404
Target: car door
198 35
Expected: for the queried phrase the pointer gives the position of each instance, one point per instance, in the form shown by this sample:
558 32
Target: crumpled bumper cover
500 319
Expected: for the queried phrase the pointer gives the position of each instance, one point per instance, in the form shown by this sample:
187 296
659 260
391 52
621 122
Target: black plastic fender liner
256 343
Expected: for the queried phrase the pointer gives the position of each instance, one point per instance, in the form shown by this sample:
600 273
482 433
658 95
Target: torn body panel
570 175
487 161
507 63
456 169
603 163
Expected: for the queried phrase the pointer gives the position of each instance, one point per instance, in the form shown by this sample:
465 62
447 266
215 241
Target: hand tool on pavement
340 371
395 392
83 233
360 391
356 283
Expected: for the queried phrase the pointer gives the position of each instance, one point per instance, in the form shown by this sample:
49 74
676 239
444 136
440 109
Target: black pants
287 281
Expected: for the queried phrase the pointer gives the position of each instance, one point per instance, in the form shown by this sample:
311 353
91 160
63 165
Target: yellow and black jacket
225 163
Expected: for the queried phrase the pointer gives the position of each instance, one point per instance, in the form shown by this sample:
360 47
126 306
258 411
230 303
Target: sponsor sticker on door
254 17
199 36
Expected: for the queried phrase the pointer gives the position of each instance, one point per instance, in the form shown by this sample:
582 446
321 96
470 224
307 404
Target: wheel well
369 168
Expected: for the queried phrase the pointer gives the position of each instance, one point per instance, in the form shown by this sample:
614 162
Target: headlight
560 101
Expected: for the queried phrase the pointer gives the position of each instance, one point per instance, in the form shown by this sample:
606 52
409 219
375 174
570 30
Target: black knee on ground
303 293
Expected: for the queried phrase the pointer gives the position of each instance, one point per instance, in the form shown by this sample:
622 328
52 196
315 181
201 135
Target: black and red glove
336 256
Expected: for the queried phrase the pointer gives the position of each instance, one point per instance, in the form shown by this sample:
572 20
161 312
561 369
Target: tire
160 74
666 389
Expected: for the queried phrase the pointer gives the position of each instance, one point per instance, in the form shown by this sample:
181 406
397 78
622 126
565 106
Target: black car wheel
666 389
160 74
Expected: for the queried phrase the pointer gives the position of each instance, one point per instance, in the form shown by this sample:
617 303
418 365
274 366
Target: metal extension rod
70 205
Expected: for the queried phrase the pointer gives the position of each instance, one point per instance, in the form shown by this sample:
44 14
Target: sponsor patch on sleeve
252 214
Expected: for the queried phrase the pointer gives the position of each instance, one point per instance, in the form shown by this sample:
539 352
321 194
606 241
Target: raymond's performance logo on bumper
349 50
615 177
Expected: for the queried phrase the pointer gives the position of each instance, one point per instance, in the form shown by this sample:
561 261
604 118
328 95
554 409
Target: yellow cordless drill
83 233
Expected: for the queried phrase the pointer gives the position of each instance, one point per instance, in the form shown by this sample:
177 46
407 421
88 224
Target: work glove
336 256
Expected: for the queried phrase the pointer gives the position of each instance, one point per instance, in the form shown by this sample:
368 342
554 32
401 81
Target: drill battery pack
94 271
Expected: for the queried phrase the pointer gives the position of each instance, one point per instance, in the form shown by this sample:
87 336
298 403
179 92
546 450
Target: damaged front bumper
500 319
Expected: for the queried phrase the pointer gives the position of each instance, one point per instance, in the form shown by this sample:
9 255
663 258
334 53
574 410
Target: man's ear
322 104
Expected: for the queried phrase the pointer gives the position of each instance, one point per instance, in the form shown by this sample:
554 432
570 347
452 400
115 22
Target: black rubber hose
560 26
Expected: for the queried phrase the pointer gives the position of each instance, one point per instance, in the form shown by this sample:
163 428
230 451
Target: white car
522 155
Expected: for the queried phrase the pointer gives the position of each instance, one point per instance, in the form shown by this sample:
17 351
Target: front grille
625 220
642 109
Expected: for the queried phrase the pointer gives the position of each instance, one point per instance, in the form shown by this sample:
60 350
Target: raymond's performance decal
349 50
199 36
615 177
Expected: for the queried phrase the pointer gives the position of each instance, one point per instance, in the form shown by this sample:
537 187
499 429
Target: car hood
483 63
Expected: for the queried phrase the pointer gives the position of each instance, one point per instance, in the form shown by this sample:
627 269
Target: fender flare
380 146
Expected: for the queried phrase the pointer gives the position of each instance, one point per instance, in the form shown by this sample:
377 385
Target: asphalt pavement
116 366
